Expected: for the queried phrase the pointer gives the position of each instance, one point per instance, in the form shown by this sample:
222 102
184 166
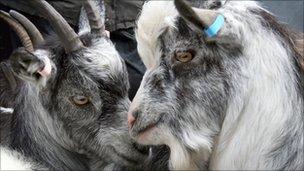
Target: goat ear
31 67
198 19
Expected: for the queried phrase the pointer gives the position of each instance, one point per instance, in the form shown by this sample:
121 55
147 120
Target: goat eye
80 100
184 56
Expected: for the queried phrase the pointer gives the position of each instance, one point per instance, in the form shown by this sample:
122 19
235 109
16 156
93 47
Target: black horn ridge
31 29
65 32
200 18
96 24
189 14
19 29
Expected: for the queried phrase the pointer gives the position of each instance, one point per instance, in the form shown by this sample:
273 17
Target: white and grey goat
234 100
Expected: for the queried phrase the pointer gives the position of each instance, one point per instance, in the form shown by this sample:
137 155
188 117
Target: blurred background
288 11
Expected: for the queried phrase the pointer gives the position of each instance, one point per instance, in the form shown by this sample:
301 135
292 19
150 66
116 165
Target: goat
232 100
71 102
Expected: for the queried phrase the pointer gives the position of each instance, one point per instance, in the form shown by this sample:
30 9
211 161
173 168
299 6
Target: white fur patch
151 26
180 159
12 161
6 110
44 55
197 141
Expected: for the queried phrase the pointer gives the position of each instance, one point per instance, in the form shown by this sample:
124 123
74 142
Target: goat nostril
131 120
132 116
135 114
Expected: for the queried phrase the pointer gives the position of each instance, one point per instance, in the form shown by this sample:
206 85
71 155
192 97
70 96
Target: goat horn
18 28
65 32
31 29
201 18
96 24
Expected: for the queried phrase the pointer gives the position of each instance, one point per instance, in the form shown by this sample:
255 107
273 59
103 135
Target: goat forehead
180 37
73 80
76 76
150 27
101 59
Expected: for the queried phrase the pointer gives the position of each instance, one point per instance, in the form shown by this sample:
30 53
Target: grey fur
188 106
49 129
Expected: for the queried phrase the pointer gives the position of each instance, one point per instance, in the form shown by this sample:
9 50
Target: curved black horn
31 29
96 24
65 32
189 14
200 18
18 28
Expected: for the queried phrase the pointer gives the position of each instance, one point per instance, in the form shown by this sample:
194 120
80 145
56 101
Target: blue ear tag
215 26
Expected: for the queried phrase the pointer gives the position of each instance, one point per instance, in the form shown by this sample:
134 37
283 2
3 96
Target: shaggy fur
8 85
237 105
49 129
45 118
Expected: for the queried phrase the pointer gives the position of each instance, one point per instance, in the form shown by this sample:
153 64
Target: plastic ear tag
215 27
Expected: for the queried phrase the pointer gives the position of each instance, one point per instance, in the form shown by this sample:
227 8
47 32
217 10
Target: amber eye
80 100
184 56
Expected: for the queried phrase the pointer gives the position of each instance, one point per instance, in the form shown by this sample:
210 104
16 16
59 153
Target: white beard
11 160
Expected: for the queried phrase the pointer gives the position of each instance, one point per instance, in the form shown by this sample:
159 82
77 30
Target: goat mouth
146 129
141 131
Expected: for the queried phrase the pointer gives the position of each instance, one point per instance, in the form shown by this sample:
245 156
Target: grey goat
232 101
71 100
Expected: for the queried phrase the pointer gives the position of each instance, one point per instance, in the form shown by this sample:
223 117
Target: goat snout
132 116
47 69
